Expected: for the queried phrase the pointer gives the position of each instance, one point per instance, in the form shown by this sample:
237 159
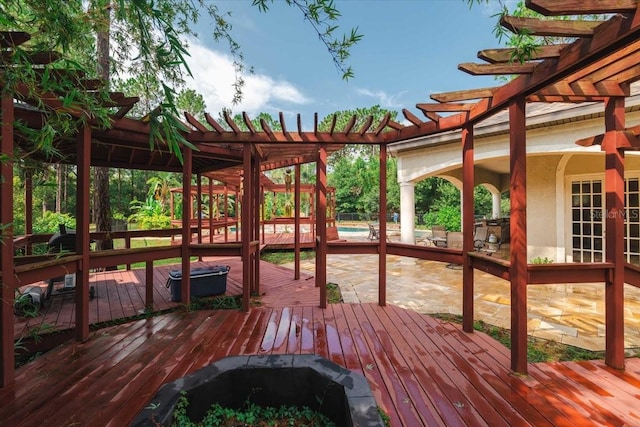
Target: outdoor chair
374 233
438 236
487 239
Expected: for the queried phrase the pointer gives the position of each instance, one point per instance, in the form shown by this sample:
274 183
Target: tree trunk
102 202
59 189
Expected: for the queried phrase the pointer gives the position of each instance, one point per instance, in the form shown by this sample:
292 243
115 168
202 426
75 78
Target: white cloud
214 75
384 99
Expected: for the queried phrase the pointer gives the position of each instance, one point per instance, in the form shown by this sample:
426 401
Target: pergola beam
495 56
464 95
550 28
581 7
495 69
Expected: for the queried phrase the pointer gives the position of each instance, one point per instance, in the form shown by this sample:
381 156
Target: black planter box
205 281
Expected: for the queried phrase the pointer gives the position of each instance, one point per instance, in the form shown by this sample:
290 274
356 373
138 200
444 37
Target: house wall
542 200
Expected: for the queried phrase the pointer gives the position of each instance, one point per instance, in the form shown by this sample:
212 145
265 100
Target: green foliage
540 260
50 221
283 257
449 216
342 118
334 296
323 17
250 415
385 418
25 306
149 215
223 302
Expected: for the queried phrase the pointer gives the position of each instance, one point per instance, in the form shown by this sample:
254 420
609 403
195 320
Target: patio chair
438 236
487 239
454 240
374 233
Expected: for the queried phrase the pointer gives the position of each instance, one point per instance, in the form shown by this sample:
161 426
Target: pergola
597 67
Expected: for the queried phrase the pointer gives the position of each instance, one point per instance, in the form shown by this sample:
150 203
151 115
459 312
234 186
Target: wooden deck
121 294
422 371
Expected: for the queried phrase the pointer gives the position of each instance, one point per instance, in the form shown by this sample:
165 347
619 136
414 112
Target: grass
285 256
538 349
334 296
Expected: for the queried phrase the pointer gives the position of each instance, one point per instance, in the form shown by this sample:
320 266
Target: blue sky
410 49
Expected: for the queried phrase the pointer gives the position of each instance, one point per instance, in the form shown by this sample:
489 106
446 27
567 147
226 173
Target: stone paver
567 313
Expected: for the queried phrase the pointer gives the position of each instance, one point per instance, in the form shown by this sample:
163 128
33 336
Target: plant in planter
27 303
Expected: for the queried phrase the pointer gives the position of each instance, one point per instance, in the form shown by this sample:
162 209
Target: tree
343 117
524 44
149 43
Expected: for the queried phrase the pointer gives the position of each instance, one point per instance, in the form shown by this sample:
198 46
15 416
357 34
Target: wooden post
321 221
382 241
7 320
148 286
246 226
199 208
296 231
211 210
82 233
257 191
28 207
187 203
468 183
226 213
614 226
518 269
238 211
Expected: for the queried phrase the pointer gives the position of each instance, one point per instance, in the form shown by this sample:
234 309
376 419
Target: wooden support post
257 192
296 231
246 226
614 226
82 233
468 227
127 245
321 221
199 208
382 241
211 210
28 206
8 285
238 211
226 213
187 203
518 269
148 286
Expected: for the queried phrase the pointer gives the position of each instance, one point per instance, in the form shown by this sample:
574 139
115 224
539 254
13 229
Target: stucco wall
542 199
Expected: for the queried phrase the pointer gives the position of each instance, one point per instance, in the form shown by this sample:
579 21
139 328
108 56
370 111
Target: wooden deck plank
426 376
480 384
496 360
152 358
150 378
402 405
349 351
282 332
622 401
567 386
97 362
334 346
422 371
307 344
244 336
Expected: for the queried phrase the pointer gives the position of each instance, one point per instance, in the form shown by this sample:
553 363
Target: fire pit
341 395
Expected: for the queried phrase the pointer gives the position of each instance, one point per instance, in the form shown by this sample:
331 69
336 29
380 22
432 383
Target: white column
495 197
407 212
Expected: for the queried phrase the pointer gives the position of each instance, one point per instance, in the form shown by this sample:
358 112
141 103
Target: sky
409 50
